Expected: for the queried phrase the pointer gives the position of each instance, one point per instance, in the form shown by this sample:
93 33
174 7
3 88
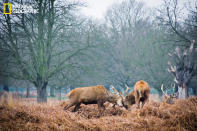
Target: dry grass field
27 115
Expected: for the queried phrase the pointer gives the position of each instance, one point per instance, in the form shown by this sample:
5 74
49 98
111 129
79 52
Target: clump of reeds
6 99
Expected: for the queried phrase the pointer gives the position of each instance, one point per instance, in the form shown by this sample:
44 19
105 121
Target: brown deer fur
91 95
140 94
129 100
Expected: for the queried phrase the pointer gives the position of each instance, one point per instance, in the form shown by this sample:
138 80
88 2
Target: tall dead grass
28 115
6 98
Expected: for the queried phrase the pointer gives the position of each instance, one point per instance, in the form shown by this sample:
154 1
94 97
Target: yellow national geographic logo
4 8
19 8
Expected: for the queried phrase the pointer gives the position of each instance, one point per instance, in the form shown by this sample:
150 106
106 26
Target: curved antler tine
127 89
162 87
116 91
163 90
173 88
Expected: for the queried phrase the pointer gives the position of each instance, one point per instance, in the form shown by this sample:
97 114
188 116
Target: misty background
71 44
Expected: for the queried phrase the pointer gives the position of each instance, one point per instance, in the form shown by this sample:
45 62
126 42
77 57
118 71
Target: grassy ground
26 114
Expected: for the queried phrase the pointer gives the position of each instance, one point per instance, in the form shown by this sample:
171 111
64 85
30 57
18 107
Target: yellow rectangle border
4 4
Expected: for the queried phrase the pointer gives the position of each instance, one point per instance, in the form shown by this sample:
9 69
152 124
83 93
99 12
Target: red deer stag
128 100
92 95
140 94
169 98
120 97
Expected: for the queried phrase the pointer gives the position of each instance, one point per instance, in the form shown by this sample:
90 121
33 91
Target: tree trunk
5 88
27 92
42 94
194 90
52 90
183 92
17 90
60 95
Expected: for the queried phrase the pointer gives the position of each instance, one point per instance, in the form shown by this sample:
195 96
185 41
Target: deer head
120 95
169 98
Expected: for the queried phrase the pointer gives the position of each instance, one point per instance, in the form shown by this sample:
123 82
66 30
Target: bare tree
171 15
32 40
180 22
136 52
183 68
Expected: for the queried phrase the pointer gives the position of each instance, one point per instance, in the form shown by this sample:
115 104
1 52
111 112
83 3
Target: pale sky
98 8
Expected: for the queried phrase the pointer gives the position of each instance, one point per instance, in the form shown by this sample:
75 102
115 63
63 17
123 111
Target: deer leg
76 107
145 101
137 101
101 108
142 104
138 104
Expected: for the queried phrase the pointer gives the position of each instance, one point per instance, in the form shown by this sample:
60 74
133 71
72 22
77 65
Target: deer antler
169 99
127 89
163 91
173 88
116 91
